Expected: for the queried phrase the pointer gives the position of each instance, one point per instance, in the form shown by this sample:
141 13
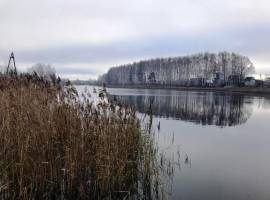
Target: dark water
225 136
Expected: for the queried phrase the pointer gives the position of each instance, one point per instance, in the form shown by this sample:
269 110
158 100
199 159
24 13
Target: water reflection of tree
264 102
206 108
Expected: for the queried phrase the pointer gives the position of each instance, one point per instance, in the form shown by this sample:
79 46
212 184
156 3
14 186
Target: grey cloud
249 40
68 70
83 36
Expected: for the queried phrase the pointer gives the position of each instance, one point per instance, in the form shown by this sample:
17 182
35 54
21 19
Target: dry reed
55 145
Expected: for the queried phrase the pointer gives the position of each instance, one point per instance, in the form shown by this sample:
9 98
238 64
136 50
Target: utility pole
14 64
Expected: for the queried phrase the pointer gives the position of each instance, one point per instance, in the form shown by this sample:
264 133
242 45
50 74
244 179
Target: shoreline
258 91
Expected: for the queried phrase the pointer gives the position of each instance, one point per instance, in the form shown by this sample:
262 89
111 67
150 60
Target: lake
223 140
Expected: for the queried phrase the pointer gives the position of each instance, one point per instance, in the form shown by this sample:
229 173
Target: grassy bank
55 145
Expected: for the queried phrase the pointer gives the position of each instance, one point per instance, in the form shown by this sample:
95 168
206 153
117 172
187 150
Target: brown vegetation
55 145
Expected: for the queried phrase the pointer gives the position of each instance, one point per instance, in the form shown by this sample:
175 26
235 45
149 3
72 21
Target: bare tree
42 70
181 70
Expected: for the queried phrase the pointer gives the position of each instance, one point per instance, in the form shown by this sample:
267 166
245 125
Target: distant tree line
86 82
198 69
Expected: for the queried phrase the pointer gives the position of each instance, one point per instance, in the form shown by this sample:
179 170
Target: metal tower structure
11 58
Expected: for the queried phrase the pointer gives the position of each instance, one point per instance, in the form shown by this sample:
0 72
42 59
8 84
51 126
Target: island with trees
203 70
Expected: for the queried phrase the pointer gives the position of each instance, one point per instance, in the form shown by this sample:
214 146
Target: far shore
245 90
258 91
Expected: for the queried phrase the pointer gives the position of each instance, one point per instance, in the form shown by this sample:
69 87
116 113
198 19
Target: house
234 80
267 82
219 79
209 83
250 81
259 83
197 82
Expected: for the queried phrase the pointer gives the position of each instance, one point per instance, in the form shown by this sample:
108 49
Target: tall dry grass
55 145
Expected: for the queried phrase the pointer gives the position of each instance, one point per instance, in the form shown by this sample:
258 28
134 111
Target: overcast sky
84 38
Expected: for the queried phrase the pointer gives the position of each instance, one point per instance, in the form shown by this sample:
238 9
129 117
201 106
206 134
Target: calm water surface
225 136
